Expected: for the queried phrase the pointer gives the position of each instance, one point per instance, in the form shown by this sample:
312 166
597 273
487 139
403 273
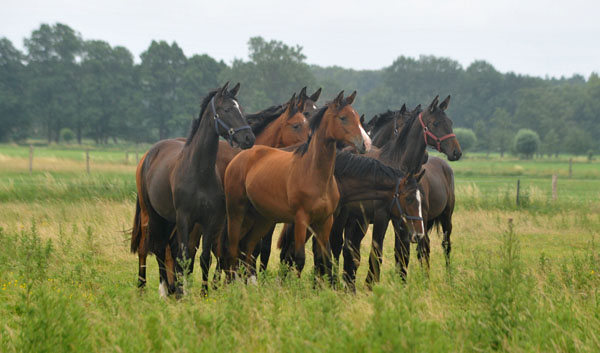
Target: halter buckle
231 132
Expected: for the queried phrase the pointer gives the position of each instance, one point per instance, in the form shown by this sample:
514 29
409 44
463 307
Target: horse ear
403 109
315 96
350 98
224 88
434 104
417 108
302 93
292 101
234 90
301 101
338 99
362 120
444 105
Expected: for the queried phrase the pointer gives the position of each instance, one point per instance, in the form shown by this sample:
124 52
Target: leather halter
396 202
427 132
218 121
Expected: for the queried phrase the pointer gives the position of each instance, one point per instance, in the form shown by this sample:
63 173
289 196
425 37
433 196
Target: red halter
438 140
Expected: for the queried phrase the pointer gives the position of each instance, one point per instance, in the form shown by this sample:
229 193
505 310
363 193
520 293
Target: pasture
68 280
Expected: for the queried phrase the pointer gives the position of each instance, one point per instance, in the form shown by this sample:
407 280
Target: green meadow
68 280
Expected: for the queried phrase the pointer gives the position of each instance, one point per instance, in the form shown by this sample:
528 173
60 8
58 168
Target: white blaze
420 212
366 138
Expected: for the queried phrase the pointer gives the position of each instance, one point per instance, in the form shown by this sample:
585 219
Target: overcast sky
538 37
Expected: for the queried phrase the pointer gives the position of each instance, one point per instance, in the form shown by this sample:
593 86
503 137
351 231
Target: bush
466 138
67 135
526 143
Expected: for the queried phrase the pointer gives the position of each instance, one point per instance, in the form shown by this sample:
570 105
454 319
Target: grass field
68 281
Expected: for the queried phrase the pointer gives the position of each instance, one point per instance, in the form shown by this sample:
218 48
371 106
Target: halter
218 121
438 140
396 202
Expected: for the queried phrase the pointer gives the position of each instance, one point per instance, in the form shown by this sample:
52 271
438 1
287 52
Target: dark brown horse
284 125
437 186
180 187
264 185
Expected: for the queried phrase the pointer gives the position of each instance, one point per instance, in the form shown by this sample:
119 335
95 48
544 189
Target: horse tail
136 232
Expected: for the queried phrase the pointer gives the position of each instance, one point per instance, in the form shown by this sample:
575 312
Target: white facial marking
162 290
237 106
420 212
314 107
366 138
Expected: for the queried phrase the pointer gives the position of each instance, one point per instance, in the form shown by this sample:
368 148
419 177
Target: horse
264 185
283 124
437 187
404 148
180 186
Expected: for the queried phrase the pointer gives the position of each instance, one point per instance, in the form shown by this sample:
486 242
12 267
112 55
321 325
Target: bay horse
180 186
264 185
283 125
405 148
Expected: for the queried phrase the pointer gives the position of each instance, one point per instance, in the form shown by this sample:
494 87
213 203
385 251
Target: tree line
64 86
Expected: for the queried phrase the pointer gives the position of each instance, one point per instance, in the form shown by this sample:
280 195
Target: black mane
380 120
203 106
259 121
348 164
314 124
390 148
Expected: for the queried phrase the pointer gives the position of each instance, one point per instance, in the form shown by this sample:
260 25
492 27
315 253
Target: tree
107 83
274 71
551 144
577 141
466 138
53 52
526 143
162 74
501 130
13 113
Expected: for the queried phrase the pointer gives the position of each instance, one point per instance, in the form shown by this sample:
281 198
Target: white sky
538 37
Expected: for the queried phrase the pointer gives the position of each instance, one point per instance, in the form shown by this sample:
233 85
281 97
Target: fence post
518 190
554 187
570 167
87 160
30 159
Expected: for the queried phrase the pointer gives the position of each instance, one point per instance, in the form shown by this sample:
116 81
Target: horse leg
337 234
142 256
158 234
323 249
180 249
380 224
210 236
355 232
446 220
286 256
259 229
265 249
401 247
300 224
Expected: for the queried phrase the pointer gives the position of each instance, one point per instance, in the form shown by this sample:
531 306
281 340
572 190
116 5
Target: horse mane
196 122
380 120
260 120
389 149
348 164
314 123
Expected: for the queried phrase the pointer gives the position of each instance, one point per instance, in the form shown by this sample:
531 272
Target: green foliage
67 135
578 141
526 143
13 113
466 138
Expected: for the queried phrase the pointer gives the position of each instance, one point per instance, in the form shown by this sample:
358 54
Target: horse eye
343 118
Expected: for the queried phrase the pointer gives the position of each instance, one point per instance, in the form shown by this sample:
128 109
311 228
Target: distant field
67 279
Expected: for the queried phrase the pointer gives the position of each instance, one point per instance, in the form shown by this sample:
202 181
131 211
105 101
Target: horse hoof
162 290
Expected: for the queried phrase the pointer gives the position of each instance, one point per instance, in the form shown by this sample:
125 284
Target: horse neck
319 159
270 136
201 152
407 153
